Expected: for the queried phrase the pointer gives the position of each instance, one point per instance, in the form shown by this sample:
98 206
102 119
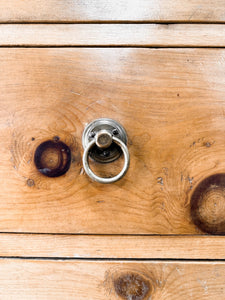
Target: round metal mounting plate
111 153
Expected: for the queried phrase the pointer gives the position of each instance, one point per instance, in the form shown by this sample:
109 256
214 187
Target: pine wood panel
23 279
111 246
117 10
171 103
149 35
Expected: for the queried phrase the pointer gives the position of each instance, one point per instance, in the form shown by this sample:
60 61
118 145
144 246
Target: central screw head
103 139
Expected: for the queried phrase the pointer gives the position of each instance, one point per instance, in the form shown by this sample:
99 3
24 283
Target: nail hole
56 138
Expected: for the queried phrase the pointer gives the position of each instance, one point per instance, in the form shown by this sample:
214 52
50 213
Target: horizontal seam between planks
109 234
161 22
114 46
109 259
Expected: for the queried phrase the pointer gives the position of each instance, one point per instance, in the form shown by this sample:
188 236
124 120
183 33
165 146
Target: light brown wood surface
41 279
107 10
148 35
170 101
112 246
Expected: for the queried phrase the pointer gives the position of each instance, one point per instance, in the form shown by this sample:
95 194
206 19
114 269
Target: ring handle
92 175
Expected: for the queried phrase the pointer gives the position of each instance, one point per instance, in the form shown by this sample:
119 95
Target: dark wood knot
132 286
52 158
208 205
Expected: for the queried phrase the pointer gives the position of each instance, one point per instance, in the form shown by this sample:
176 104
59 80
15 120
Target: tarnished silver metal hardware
104 140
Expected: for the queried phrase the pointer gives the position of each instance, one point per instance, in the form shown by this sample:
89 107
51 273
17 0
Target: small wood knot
30 182
132 287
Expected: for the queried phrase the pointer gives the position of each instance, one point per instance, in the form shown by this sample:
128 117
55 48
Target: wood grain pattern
107 10
149 35
38 279
111 246
171 103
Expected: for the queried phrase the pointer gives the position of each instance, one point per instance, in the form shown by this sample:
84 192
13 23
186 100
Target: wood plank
117 10
38 279
170 101
106 246
149 35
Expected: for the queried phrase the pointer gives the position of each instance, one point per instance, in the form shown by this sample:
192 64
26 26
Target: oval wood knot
208 205
52 158
132 287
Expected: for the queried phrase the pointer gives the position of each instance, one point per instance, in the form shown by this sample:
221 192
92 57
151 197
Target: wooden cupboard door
105 280
171 103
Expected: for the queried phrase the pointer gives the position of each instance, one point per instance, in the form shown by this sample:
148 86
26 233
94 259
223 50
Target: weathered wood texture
107 10
36 279
150 35
171 103
111 246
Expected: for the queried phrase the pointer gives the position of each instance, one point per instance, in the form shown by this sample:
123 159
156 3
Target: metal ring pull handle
104 133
